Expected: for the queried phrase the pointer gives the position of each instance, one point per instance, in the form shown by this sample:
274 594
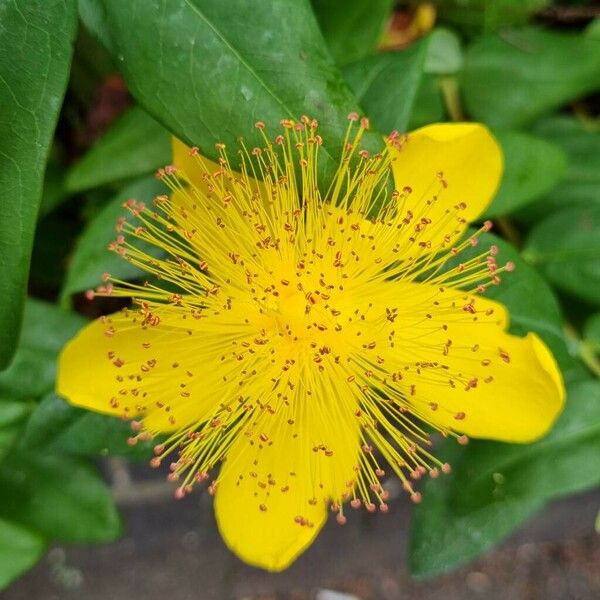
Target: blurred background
81 513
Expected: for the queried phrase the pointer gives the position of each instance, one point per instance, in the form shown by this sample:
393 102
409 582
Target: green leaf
352 28
591 331
532 167
91 257
444 55
46 328
208 70
20 549
135 145
564 462
473 16
62 498
56 426
442 539
580 185
35 52
12 418
565 247
429 105
511 78
386 85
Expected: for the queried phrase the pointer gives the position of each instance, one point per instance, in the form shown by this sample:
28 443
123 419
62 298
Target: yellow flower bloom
306 339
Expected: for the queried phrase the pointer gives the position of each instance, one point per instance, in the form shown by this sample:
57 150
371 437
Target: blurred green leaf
35 52
12 418
62 498
20 549
473 16
565 247
591 332
352 28
46 328
580 185
566 461
442 539
429 105
91 257
386 85
444 54
532 167
56 426
135 145
513 77
220 67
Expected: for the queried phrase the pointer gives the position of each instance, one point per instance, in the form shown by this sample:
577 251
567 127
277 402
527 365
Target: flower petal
191 164
468 160
119 367
272 496
515 389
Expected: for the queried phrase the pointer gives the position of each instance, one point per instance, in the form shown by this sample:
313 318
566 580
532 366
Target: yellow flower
306 340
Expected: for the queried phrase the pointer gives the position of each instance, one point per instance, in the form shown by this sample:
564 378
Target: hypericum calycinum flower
307 341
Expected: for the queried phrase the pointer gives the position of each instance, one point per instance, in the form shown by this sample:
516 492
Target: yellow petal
194 166
117 366
271 498
518 390
468 160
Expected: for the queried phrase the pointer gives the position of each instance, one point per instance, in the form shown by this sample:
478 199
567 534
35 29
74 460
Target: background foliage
88 108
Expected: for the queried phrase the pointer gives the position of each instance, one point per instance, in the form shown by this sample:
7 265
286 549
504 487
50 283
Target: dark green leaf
56 426
91 257
46 328
442 539
429 105
35 52
386 85
20 549
565 247
135 145
580 185
12 418
566 461
352 28
208 70
532 167
513 77
62 498
93 16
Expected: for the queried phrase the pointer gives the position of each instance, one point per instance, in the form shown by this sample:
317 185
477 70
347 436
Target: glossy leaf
56 426
219 68
566 461
442 539
35 52
352 28
532 167
20 549
515 76
580 185
91 257
565 247
135 145
386 85
46 328
59 497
